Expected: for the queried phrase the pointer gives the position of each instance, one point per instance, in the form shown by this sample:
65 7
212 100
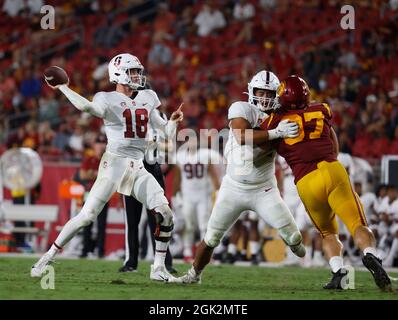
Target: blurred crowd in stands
203 53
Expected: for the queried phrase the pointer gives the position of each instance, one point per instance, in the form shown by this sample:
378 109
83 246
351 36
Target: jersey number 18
141 123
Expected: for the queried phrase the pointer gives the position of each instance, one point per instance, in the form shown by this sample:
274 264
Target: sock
54 250
232 249
317 254
219 249
188 251
336 263
160 253
393 251
195 272
243 253
371 250
254 247
308 250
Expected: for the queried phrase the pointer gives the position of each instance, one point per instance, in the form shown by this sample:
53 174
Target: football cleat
298 250
230 258
374 265
127 269
254 259
189 278
171 270
40 266
160 274
337 278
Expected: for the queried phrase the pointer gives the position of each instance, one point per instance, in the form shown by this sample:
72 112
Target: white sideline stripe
176 261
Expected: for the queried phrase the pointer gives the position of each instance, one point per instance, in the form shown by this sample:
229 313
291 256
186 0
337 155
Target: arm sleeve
97 107
236 110
155 99
167 126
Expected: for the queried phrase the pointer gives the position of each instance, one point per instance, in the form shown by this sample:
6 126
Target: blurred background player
245 230
195 167
250 182
322 182
388 226
121 168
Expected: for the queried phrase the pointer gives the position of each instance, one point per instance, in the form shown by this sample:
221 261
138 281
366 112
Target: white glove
285 129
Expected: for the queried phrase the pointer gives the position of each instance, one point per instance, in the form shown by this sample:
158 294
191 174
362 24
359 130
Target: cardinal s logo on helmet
120 71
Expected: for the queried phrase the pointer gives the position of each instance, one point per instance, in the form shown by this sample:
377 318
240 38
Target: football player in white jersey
121 169
194 168
250 182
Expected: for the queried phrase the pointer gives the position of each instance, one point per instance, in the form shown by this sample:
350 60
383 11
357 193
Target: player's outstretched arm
168 127
244 134
78 101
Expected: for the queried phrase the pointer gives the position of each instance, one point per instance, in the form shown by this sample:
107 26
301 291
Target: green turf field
95 279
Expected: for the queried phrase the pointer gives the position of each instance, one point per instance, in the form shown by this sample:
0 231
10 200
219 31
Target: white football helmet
263 80
119 71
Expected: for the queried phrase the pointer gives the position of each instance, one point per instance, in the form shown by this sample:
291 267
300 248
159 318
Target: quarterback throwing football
127 112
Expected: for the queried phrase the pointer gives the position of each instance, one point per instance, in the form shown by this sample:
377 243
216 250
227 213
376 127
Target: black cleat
171 270
127 269
254 260
335 282
375 267
230 258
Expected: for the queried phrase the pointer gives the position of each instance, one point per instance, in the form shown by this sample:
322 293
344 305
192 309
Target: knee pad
164 223
290 234
213 237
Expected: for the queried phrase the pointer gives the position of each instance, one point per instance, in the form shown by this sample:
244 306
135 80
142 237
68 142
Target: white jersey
247 164
194 172
368 200
126 120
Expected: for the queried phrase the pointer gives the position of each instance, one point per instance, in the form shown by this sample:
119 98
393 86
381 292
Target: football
55 76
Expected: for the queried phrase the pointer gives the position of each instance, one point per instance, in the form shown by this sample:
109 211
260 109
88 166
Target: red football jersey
90 163
313 144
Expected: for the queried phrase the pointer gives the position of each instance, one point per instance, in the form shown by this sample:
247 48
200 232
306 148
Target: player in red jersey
322 182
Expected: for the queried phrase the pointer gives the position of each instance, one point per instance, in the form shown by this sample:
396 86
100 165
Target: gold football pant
327 192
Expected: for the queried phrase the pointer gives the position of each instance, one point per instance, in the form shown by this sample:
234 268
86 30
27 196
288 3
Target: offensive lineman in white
121 168
250 182
194 167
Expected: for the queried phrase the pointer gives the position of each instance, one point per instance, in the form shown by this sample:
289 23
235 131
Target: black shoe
230 258
335 282
375 267
127 269
217 256
254 260
241 257
171 270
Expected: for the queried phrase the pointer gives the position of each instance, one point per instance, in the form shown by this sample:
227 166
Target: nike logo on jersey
144 104
268 189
